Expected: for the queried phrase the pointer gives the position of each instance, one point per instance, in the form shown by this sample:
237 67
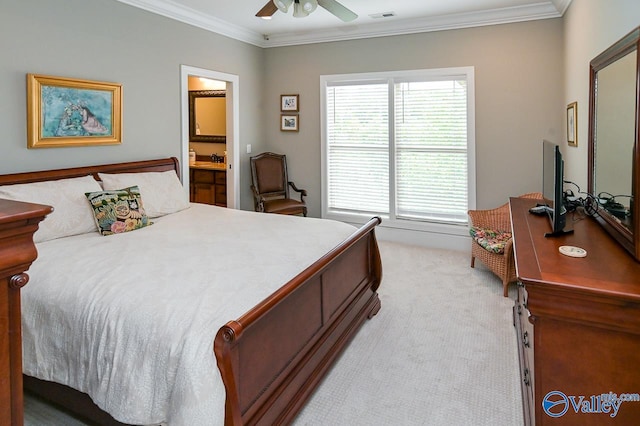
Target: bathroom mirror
614 160
207 116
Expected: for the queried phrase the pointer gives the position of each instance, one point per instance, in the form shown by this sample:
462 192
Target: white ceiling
236 19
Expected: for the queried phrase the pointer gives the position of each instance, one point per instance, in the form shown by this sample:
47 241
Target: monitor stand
559 233
563 223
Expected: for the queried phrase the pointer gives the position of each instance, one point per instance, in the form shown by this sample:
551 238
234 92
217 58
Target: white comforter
130 319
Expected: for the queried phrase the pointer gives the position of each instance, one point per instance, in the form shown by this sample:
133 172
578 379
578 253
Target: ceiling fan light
283 5
309 5
298 11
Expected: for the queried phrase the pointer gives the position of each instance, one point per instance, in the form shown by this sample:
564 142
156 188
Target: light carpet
441 352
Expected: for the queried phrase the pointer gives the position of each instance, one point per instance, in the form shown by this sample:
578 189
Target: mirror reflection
615 111
207 116
614 153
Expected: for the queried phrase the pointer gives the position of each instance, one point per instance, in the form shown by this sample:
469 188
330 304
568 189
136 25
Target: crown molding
178 12
561 5
412 26
535 11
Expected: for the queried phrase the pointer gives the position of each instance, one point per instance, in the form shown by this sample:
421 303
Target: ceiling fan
302 8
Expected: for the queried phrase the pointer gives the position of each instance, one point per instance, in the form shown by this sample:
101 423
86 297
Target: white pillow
72 214
161 192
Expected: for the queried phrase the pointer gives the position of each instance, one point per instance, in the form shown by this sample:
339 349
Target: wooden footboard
273 357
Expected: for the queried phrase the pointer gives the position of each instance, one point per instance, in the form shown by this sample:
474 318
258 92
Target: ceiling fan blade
338 9
269 9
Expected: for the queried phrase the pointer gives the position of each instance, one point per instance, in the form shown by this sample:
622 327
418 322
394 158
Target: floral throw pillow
118 211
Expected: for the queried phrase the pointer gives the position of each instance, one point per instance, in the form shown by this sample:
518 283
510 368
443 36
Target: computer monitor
553 187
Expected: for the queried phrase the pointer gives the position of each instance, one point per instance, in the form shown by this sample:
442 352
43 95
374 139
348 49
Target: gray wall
526 73
109 41
518 69
591 26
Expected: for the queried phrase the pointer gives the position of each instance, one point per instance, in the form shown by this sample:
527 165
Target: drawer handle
519 309
527 378
525 339
519 283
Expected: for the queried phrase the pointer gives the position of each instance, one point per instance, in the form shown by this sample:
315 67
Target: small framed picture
572 124
289 103
289 123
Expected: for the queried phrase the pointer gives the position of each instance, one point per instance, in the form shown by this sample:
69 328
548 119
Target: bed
206 316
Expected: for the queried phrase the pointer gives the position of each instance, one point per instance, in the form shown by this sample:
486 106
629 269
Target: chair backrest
269 174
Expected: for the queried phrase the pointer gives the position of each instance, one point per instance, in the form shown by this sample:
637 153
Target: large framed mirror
207 116
614 153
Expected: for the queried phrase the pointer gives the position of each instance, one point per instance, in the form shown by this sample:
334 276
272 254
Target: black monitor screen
552 185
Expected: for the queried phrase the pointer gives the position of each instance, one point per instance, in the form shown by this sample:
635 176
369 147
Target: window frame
391 77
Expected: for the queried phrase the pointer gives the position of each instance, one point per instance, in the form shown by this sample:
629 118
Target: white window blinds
398 147
358 149
431 150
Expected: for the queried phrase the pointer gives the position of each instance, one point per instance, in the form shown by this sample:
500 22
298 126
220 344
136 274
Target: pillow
118 211
162 191
71 215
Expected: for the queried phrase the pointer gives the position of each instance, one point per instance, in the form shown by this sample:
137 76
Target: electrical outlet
248 148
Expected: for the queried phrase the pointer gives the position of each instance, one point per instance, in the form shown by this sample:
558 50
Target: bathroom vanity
208 183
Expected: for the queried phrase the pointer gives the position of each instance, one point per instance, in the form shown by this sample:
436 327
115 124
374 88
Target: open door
232 128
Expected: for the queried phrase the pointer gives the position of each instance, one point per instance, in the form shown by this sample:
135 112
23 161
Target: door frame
233 128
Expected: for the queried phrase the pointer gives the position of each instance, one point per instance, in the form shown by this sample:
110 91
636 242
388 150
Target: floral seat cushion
490 239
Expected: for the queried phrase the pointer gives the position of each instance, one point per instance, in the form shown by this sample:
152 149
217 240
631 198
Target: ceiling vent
383 15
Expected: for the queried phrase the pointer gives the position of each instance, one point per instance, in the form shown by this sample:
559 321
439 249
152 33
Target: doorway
232 128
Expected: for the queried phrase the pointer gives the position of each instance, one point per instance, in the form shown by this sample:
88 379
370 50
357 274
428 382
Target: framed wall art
289 103
289 123
64 112
572 124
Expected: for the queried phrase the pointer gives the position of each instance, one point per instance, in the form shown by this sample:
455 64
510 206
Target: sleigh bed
139 328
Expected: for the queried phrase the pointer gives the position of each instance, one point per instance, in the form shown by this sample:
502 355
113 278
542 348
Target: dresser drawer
525 342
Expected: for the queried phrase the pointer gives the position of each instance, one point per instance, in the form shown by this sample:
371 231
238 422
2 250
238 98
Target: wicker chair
498 219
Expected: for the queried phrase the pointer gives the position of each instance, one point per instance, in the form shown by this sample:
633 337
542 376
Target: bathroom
207 141
207 119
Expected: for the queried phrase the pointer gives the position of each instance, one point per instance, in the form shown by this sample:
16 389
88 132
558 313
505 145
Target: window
399 145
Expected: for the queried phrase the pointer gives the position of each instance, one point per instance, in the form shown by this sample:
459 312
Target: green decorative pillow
118 211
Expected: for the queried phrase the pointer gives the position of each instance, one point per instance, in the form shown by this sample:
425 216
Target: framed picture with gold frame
572 124
66 112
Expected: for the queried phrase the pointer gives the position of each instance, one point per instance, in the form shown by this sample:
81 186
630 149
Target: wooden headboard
159 165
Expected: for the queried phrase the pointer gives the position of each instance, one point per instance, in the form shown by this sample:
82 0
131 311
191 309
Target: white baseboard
425 238
449 238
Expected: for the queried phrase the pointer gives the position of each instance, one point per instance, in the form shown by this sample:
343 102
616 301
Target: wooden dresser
18 222
577 322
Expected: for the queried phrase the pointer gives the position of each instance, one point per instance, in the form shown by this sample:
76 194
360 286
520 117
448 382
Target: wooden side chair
270 186
492 243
